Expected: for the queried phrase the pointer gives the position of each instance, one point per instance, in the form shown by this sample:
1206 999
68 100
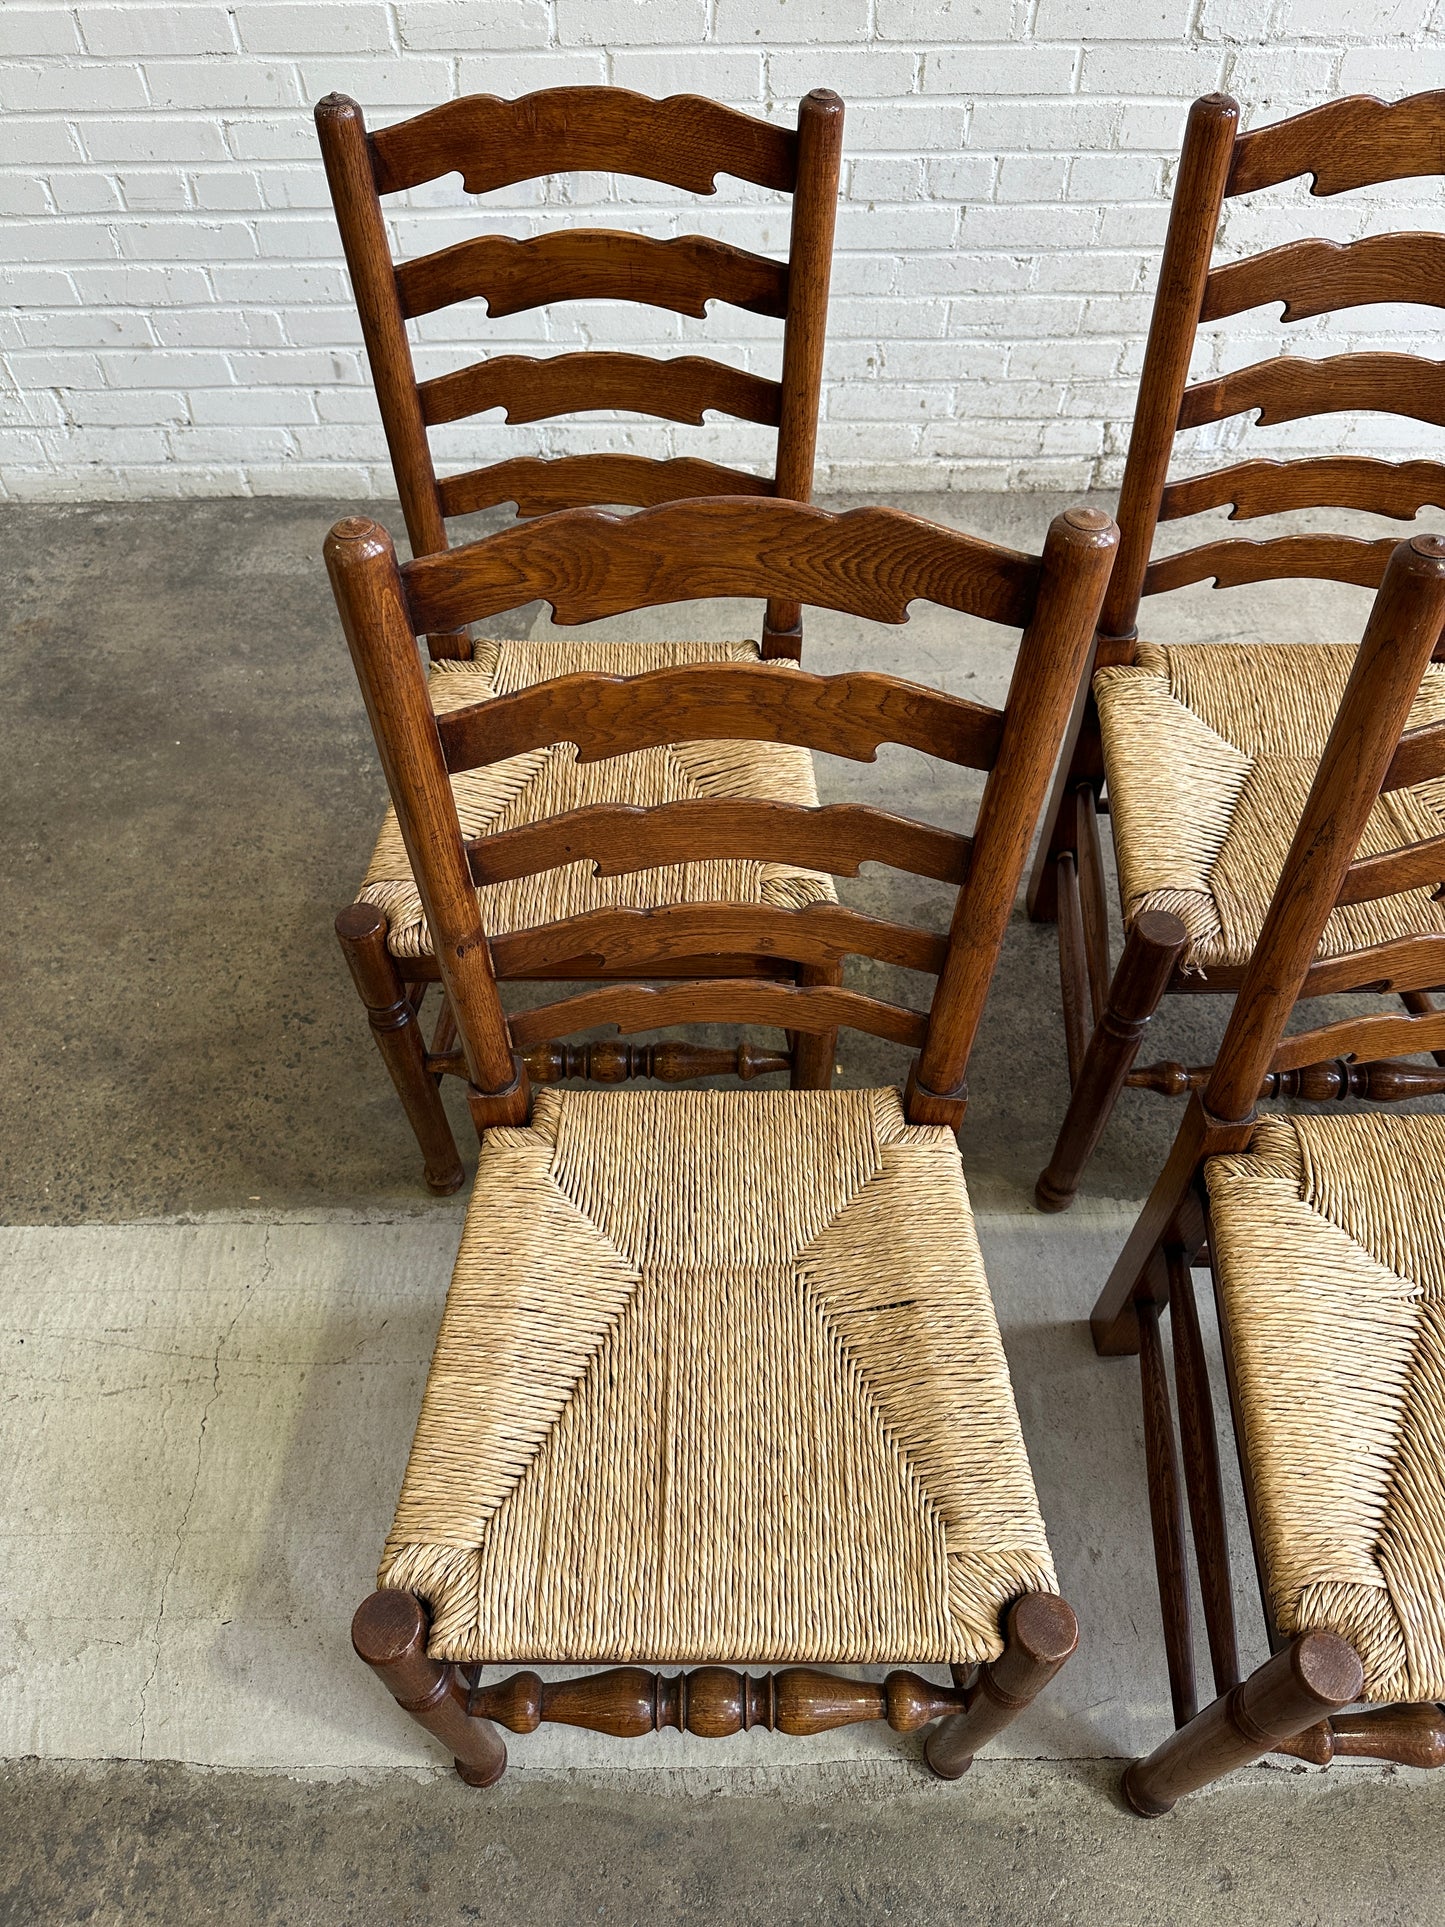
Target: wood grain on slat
1417 866
1419 758
870 562
621 837
531 390
847 715
593 264
1324 277
634 1007
1398 489
1332 558
1366 1039
1404 963
683 141
614 940
1293 386
539 485
1357 142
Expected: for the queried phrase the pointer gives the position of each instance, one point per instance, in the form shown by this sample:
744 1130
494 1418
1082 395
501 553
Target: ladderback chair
685 142
1326 1237
719 1378
1206 751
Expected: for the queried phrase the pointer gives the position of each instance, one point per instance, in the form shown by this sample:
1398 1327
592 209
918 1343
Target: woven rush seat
546 782
1329 1237
718 1378
1209 753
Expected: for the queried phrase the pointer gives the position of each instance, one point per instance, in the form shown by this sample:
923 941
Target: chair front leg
1154 945
1039 1635
389 1633
1306 1681
361 931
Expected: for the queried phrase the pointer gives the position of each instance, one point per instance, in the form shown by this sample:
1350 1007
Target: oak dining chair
686 143
719 1380
1202 754
1326 1239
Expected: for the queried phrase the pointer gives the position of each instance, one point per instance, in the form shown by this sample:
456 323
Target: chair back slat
847 715
532 390
1349 143
541 485
1291 387
634 1007
1250 489
1404 627
1366 1039
1330 558
592 264
1419 866
1357 142
494 143
620 838
869 562
1420 757
821 934
1327 277
682 141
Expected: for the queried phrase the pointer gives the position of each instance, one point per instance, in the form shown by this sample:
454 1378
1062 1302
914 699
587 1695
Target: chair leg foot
1306 1681
389 1632
1039 1634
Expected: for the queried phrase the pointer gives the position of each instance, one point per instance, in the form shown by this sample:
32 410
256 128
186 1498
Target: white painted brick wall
178 318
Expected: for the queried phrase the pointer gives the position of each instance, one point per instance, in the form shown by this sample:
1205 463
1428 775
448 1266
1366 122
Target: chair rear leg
815 1052
1039 1635
782 630
1306 1681
389 1633
361 929
1151 951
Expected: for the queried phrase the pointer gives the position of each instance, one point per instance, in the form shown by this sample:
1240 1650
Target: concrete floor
221 1284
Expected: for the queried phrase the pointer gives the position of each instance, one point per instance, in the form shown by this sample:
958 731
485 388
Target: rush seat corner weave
719 1378
1209 753
547 782
1329 1238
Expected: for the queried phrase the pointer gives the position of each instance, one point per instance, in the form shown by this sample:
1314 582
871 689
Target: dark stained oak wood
845 715
1332 558
1290 387
1325 277
539 484
714 1702
1383 1082
1416 866
1355 142
620 837
1166 1516
614 940
1397 489
592 264
1040 1633
1419 757
669 1063
1389 1034
1209 142
1200 1454
530 389
389 1632
868 561
361 932
1312 1677
634 1007
683 141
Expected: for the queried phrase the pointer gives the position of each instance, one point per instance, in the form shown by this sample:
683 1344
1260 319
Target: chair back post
1052 659
371 598
1404 627
810 264
346 151
1183 271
